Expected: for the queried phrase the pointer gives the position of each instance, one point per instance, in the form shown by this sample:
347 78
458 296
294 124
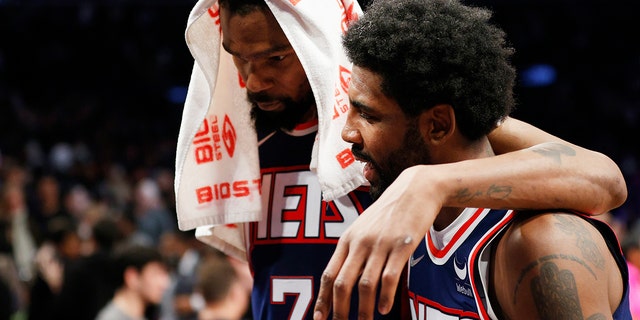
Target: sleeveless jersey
292 244
451 283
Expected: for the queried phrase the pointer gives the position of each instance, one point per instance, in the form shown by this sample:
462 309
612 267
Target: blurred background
91 97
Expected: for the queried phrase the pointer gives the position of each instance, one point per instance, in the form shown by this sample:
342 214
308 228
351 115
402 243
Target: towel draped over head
217 180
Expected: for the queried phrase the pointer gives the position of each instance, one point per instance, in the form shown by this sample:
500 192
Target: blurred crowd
91 96
58 237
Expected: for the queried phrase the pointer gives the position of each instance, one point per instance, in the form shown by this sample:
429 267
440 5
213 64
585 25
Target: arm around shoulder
574 177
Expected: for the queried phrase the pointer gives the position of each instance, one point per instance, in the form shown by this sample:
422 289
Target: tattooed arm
554 266
571 177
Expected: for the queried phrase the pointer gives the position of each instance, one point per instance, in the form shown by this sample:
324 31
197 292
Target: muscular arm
539 171
563 270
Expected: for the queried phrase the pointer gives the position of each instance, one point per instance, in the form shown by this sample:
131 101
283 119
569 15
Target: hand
375 249
50 267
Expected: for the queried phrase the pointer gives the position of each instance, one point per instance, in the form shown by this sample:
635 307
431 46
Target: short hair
106 234
431 52
215 277
132 256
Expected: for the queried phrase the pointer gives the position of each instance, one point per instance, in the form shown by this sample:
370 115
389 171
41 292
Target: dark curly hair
432 52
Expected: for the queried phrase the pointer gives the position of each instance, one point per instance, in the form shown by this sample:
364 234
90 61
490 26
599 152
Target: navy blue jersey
451 283
290 247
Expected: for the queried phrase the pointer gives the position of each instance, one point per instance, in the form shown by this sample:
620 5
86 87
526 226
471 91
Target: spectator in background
183 255
221 288
47 204
117 189
78 202
61 247
164 178
152 216
141 278
88 278
13 292
15 212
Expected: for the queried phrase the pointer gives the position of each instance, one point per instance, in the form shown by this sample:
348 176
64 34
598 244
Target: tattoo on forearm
555 151
494 192
542 261
464 195
555 293
499 192
584 241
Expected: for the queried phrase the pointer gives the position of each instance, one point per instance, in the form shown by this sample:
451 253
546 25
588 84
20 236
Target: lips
368 171
270 105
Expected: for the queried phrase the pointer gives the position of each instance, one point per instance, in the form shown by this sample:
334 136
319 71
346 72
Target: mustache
357 152
259 97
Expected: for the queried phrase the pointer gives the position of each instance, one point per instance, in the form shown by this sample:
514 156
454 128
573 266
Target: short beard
412 152
287 119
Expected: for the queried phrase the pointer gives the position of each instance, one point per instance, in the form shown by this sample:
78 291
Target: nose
257 80
350 133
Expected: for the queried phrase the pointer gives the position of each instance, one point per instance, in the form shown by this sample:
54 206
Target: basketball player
287 266
433 78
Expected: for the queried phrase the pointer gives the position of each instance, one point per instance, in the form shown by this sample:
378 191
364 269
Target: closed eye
277 58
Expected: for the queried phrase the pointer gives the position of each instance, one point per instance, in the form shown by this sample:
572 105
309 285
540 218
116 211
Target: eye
365 115
277 58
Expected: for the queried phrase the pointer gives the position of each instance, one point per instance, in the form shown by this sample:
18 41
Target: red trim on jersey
441 253
447 310
303 167
306 125
473 257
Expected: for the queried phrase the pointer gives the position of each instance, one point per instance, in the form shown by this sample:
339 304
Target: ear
437 124
130 277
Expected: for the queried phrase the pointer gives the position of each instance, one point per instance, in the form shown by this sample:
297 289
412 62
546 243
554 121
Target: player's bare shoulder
551 265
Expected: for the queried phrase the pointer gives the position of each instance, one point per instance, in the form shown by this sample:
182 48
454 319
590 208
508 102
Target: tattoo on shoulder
544 261
555 293
494 192
597 316
555 151
574 226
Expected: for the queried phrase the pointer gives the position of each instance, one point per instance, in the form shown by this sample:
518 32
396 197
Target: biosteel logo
341 105
210 138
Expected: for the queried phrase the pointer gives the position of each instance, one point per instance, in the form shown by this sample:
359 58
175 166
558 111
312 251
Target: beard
292 114
413 151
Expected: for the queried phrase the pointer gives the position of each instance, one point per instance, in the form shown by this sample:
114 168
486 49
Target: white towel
217 166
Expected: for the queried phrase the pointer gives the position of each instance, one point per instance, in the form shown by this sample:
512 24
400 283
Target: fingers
345 281
390 279
325 295
371 269
368 285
